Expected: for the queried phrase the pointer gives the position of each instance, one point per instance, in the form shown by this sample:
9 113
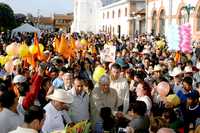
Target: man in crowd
79 108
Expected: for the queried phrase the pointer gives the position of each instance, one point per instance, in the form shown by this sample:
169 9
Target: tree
7 19
20 18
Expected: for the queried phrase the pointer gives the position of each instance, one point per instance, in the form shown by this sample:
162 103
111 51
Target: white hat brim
66 100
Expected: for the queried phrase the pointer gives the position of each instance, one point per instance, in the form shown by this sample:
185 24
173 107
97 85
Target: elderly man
103 96
56 115
80 106
121 86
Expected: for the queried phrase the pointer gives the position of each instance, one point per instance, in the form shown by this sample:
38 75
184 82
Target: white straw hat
61 96
176 71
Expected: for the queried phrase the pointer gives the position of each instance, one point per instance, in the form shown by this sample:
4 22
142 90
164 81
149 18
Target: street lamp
188 8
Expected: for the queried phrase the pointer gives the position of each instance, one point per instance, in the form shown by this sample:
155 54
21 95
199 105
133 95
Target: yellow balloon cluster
23 50
4 59
33 49
98 73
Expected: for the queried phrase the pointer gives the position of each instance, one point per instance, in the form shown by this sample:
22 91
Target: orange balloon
163 88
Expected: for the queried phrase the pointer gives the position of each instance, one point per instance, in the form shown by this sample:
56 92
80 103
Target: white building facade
86 15
161 13
118 19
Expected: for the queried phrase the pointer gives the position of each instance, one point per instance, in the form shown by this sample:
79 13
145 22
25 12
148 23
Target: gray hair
104 79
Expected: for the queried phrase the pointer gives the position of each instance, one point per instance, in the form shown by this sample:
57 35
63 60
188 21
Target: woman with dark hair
143 92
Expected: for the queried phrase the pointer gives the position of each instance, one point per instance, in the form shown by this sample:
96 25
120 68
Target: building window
103 28
119 13
198 20
162 22
126 12
107 15
113 14
154 22
103 15
182 17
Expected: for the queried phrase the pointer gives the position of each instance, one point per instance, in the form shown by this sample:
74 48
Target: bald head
166 130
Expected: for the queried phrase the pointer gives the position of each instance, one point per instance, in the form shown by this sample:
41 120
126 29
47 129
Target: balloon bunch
98 72
172 34
185 36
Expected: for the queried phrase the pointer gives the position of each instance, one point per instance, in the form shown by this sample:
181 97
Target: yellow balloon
32 49
98 73
23 50
83 42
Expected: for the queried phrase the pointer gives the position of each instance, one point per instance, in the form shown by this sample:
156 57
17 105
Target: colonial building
86 15
122 17
161 13
118 17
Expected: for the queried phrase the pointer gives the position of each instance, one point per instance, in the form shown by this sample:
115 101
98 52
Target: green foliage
7 19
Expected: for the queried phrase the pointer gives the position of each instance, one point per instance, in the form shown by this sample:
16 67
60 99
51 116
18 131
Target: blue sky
45 7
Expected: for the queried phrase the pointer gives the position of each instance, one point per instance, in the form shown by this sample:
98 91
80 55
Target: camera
122 130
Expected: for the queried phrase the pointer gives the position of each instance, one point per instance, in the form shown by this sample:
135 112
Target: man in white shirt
33 121
121 86
80 106
56 115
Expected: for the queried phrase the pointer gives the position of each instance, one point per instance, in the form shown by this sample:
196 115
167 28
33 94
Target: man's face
59 105
78 85
115 73
104 87
186 86
68 79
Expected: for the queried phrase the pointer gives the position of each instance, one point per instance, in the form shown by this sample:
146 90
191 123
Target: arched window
162 22
113 14
126 11
198 20
182 16
119 13
107 15
154 22
103 15
103 28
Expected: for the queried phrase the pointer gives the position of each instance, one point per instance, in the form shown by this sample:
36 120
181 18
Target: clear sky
44 7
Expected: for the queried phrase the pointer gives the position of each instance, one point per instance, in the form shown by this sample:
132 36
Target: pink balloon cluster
185 38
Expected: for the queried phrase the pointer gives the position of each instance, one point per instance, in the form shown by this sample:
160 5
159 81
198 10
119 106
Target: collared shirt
80 107
23 130
122 88
9 120
100 100
54 119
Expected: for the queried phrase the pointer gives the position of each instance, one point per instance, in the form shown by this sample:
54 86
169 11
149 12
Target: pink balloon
163 88
9 67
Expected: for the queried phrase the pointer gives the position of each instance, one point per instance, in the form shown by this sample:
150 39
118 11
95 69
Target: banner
108 53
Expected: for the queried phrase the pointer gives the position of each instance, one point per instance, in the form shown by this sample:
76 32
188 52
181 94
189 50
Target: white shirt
147 101
54 119
23 130
122 88
79 109
9 120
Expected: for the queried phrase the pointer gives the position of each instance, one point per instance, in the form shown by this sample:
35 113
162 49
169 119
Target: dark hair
34 112
139 107
188 80
147 88
116 66
78 78
7 99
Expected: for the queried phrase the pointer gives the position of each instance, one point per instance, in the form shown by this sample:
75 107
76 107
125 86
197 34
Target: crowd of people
148 89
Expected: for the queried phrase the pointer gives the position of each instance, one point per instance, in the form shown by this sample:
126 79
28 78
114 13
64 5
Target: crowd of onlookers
148 89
